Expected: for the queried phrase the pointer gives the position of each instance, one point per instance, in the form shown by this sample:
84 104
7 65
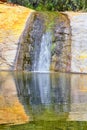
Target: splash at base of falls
44 59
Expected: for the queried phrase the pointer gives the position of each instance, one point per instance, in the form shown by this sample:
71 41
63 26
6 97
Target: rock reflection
78 110
44 92
55 93
52 96
11 110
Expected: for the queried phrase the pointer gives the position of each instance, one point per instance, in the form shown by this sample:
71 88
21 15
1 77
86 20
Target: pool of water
43 101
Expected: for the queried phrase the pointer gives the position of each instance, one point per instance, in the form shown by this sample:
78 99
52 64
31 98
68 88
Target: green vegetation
49 19
53 48
48 125
54 5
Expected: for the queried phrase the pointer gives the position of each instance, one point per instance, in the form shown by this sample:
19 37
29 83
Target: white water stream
45 54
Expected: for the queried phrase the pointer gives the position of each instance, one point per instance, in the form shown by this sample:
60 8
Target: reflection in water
59 93
45 96
44 92
78 98
11 111
42 81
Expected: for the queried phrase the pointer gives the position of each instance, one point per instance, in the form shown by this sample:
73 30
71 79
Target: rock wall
21 32
78 23
12 24
30 44
25 46
72 50
38 24
61 45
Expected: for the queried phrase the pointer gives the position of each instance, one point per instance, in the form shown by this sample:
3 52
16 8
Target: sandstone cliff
12 24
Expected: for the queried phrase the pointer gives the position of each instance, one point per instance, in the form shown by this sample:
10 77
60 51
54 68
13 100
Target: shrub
54 5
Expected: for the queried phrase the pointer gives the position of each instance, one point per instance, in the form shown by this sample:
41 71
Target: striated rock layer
78 23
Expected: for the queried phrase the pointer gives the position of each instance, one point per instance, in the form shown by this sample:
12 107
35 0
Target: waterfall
45 54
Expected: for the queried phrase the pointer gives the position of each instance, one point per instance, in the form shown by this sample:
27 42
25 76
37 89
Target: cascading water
45 54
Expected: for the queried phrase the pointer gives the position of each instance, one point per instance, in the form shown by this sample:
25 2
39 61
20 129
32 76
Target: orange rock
3 0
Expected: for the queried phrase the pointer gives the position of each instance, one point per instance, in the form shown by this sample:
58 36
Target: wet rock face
31 43
61 46
36 36
25 46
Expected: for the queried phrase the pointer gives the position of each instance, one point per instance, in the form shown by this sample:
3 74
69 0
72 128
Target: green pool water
52 101
54 125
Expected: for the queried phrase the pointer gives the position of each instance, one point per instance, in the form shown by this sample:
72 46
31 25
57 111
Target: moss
49 19
53 46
